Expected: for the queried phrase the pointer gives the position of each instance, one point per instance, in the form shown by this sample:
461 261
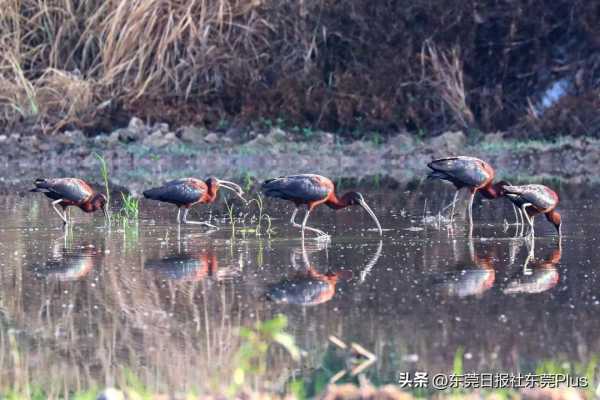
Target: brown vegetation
348 66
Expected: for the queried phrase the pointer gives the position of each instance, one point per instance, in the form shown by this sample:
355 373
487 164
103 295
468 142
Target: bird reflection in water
70 263
472 280
308 286
537 275
191 266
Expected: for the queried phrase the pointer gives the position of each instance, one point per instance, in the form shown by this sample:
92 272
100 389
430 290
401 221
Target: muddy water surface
166 304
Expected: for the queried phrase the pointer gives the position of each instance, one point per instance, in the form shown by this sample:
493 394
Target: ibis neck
212 192
336 202
490 191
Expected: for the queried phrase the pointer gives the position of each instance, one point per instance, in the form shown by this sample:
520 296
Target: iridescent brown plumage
469 172
186 192
473 279
313 190
66 192
185 266
539 277
308 286
534 200
71 265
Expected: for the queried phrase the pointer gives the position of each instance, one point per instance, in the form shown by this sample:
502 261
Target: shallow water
166 304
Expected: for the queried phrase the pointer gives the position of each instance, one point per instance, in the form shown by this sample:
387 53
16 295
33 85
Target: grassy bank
358 68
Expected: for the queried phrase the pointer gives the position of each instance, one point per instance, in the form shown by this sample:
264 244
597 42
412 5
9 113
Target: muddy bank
141 154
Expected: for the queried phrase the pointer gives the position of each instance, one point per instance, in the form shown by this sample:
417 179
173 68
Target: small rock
211 138
44 146
70 137
161 126
136 124
3 138
171 138
192 134
157 139
100 140
236 134
127 135
259 140
153 140
326 138
113 138
276 135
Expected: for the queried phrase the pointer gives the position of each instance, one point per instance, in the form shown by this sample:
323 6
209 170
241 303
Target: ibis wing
538 195
300 291
466 170
72 189
303 188
179 266
180 192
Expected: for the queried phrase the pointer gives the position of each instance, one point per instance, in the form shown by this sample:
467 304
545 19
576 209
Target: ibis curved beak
364 205
234 187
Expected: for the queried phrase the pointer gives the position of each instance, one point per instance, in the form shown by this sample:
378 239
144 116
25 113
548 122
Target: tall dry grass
337 65
66 57
448 80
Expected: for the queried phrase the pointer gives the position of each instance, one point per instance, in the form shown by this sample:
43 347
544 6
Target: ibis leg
293 219
185 220
178 215
521 223
471 208
61 215
453 206
529 219
319 232
517 220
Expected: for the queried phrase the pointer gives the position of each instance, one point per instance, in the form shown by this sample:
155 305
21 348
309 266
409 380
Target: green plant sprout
230 211
104 173
261 216
131 207
251 357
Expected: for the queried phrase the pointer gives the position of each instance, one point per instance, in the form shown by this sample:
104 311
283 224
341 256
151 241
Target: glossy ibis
184 266
71 264
542 275
533 200
475 278
469 172
308 287
313 190
67 192
186 192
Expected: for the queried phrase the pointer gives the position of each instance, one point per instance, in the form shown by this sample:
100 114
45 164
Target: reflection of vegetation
574 369
230 213
252 355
